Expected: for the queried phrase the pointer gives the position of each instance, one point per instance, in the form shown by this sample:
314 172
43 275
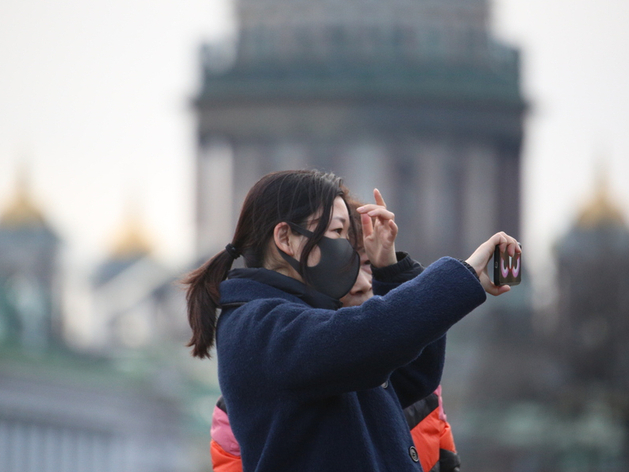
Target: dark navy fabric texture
314 389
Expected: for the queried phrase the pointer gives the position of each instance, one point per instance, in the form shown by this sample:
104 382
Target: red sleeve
223 461
426 436
447 440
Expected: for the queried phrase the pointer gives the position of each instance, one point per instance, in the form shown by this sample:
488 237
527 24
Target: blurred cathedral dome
130 244
132 240
22 211
593 308
30 306
601 210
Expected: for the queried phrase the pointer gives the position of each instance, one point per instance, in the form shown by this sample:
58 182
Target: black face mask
337 270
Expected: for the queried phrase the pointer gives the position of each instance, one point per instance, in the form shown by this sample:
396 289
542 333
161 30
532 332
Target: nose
362 284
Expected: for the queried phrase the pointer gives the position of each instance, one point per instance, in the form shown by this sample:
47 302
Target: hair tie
232 251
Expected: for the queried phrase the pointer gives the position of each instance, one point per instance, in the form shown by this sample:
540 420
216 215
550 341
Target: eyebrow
340 218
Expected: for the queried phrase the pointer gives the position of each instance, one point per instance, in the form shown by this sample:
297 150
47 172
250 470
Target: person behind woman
308 386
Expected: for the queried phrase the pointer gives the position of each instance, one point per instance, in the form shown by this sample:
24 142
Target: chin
355 300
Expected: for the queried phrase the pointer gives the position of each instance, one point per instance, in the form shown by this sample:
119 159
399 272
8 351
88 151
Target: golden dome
131 240
601 210
22 211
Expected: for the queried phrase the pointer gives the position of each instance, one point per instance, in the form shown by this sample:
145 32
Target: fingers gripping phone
507 269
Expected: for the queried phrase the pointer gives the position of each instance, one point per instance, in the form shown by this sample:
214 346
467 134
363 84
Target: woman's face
361 291
339 221
337 228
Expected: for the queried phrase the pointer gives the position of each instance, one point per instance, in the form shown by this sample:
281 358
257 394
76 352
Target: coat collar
269 283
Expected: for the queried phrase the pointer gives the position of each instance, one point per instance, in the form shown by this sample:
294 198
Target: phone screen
507 269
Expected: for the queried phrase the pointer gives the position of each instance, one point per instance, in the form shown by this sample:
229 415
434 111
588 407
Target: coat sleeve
291 346
386 279
421 377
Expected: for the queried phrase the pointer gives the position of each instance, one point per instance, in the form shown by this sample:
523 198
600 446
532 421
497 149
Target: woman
224 449
310 386
426 418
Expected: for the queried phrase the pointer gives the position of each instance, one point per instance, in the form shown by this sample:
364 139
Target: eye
338 231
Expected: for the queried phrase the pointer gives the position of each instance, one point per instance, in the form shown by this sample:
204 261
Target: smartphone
507 269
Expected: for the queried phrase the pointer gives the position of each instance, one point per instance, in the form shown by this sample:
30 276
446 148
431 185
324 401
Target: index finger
376 211
378 197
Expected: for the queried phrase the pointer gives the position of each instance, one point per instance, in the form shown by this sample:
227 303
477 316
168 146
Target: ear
285 239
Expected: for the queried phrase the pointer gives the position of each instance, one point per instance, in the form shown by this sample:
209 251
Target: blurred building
415 98
132 401
592 329
29 280
590 339
136 302
418 100
548 393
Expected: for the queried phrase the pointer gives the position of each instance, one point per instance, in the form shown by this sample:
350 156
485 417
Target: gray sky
575 58
94 97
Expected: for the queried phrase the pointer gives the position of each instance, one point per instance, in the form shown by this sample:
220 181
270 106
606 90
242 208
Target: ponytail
287 196
203 300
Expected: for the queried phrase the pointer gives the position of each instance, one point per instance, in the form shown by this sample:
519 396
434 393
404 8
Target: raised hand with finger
379 231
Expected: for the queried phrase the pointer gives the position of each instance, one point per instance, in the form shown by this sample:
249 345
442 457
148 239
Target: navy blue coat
322 390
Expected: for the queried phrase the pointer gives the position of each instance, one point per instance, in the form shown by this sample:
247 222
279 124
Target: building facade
131 400
592 325
30 305
414 98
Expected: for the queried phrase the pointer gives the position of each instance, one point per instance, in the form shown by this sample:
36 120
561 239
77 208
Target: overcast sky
94 98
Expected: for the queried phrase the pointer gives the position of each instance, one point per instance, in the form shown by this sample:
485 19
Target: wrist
470 268
385 261
391 260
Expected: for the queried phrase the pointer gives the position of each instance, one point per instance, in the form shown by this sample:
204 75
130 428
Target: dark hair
356 227
288 196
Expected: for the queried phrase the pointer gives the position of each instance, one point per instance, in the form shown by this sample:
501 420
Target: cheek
314 257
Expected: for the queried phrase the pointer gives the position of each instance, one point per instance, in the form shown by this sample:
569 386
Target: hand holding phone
481 260
507 269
